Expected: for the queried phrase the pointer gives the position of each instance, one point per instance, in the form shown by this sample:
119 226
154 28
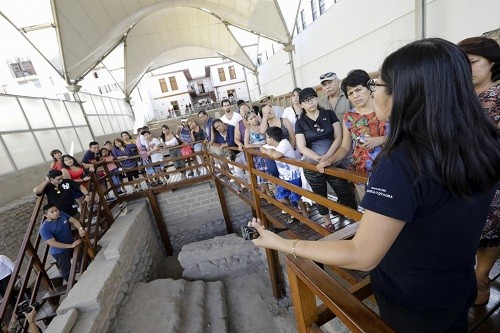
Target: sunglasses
329 74
318 128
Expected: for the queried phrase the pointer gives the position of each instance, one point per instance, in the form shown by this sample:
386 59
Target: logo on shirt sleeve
65 186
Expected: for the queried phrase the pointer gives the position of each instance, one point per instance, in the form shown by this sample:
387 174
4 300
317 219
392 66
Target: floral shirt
361 126
490 99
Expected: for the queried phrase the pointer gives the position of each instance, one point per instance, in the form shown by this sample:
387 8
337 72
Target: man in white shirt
230 117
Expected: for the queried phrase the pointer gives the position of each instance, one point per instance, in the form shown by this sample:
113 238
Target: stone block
63 323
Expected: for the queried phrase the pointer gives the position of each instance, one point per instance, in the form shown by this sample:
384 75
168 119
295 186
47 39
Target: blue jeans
64 262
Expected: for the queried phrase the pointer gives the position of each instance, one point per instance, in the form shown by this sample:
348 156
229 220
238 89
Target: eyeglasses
372 85
327 75
309 99
318 128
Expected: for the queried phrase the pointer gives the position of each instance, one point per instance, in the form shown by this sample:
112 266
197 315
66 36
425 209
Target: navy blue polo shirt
60 230
431 263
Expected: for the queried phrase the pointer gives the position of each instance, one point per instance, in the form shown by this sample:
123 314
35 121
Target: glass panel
130 124
116 106
123 124
58 112
11 114
36 112
85 136
75 112
98 104
71 142
5 165
88 104
114 123
95 125
49 140
106 124
23 149
122 105
107 105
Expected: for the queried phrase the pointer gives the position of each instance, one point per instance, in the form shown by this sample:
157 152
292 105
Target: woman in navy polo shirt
427 198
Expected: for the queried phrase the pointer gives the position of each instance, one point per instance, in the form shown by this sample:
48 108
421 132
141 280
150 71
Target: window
321 7
222 75
21 68
303 18
232 73
163 86
201 87
173 83
314 10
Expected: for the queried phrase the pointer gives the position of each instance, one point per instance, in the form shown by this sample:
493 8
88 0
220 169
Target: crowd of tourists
425 131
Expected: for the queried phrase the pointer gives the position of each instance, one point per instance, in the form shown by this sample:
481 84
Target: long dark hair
437 114
75 162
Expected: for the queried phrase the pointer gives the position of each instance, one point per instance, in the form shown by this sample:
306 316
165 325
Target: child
56 231
278 147
112 168
153 149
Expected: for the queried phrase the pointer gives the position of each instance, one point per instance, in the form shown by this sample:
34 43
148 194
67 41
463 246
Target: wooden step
56 292
46 313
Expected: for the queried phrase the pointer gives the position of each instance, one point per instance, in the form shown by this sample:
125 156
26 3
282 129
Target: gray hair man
335 99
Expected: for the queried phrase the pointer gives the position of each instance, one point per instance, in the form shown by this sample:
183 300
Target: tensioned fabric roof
159 32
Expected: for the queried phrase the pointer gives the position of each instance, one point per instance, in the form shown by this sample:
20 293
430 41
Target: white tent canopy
157 32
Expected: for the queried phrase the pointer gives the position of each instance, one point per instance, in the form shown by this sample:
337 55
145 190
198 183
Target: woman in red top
56 164
74 170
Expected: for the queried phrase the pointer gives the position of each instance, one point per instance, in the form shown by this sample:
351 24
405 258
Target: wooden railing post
277 279
160 223
304 302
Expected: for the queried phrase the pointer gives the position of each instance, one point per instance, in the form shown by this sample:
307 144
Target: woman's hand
86 178
91 168
373 141
322 165
267 238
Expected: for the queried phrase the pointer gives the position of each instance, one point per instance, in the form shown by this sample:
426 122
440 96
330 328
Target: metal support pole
420 19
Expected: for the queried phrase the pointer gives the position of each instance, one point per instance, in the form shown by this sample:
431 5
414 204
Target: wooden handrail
30 250
308 281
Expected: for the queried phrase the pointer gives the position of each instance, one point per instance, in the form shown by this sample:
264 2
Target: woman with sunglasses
318 136
361 128
428 195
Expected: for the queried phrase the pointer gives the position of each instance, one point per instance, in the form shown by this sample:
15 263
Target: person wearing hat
484 57
60 192
334 98
318 136
267 100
